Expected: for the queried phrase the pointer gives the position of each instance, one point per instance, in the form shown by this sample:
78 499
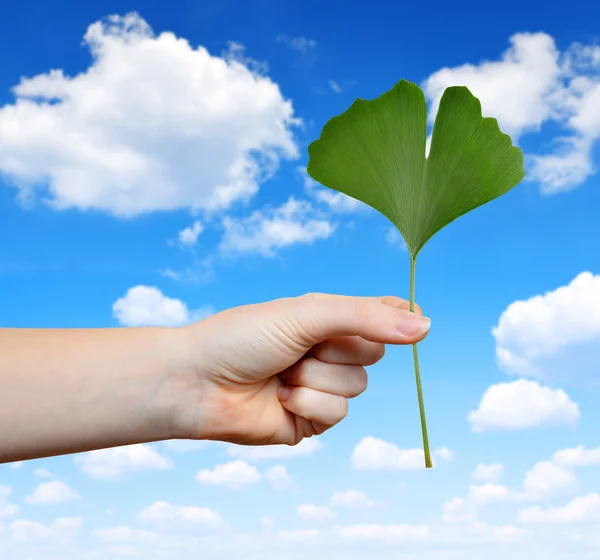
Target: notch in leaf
375 152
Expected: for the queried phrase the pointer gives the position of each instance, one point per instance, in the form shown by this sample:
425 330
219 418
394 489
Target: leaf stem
428 463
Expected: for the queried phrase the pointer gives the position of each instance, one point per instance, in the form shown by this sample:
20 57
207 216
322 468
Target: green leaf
375 152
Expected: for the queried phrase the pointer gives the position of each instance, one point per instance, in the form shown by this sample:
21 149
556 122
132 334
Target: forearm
72 390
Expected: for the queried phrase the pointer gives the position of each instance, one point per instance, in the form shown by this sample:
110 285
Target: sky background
152 171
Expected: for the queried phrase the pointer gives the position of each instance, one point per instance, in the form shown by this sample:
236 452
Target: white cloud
152 124
488 493
350 499
237 52
298 535
517 89
234 475
533 83
164 512
385 533
148 306
523 404
487 473
279 477
394 238
569 166
293 223
583 509
577 457
117 462
336 202
16 464
123 533
52 493
305 448
444 453
189 235
62 529
334 86
299 43
376 454
267 522
555 336
458 510
44 473
6 509
546 480
309 511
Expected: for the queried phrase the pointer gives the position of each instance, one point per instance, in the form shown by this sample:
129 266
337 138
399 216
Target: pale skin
260 374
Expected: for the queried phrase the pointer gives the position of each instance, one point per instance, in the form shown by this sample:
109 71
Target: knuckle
362 310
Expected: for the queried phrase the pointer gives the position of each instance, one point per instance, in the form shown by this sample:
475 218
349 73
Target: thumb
383 319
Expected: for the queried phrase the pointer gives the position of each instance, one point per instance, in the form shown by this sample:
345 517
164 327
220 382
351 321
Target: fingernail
284 393
413 325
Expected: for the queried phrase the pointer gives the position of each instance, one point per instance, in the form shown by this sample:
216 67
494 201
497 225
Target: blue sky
152 172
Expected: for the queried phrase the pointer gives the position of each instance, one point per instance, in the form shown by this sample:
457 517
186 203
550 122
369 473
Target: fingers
348 350
384 320
399 303
318 407
346 381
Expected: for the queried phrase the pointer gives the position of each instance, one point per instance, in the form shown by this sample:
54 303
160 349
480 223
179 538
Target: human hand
280 371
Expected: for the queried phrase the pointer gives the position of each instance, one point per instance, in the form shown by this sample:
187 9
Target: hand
277 372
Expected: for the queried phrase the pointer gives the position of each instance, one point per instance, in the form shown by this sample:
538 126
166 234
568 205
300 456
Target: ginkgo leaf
376 152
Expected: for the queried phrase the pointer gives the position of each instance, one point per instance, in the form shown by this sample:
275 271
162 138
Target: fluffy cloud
152 124
295 222
123 533
376 454
555 336
61 530
309 511
163 512
189 235
583 509
234 475
546 480
488 493
385 533
394 238
487 473
6 509
279 477
44 473
351 499
52 493
305 448
533 83
523 404
336 202
577 457
299 43
517 89
148 306
117 462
